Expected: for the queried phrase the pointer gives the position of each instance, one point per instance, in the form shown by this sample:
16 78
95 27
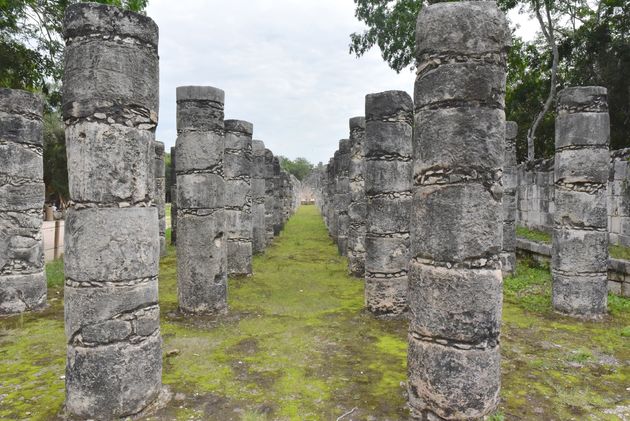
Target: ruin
388 182
455 280
357 209
237 169
160 192
342 196
22 276
510 181
259 237
580 235
201 230
277 196
269 197
173 196
112 247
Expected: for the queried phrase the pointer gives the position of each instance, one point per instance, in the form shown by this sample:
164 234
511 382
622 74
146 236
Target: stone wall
535 206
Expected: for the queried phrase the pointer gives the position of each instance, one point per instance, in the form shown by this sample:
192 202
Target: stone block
582 129
111 245
454 384
582 295
579 251
386 255
580 209
454 223
386 297
582 166
200 191
463 305
388 215
383 176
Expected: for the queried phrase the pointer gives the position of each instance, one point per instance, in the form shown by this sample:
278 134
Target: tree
300 168
55 164
580 42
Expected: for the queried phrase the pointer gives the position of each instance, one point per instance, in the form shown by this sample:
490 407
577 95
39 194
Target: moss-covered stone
297 344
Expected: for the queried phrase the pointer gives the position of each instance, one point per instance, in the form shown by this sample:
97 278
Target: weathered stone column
342 196
112 243
160 192
201 236
510 182
259 236
277 197
22 276
388 168
455 280
330 193
580 235
173 195
357 211
238 195
269 196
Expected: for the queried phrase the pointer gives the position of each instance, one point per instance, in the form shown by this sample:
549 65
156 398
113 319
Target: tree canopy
300 167
592 47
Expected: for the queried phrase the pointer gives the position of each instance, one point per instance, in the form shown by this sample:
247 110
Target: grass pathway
298 345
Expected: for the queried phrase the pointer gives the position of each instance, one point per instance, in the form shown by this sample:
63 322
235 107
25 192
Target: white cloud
283 64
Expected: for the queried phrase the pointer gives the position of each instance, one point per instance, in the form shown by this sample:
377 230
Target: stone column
580 235
342 196
357 211
160 193
259 237
510 183
277 196
388 168
238 195
112 243
201 237
455 280
330 193
22 276
269 196
173 195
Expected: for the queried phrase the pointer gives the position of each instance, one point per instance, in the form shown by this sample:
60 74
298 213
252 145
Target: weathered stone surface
387 185
114 376
455 281
456 222
22 277
386 296
580 235
202 263
357 209
159 172
456 304
452 383
237 169
112 243
108 170
580 295
259 238
173 192
201 227
269 196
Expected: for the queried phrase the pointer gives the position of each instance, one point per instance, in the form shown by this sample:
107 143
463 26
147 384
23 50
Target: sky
284 66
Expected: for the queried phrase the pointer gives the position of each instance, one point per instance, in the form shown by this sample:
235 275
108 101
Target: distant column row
231 199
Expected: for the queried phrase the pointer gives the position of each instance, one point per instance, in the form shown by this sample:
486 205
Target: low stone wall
535 190
618 270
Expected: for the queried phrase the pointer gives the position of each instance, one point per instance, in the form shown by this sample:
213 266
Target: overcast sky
283 64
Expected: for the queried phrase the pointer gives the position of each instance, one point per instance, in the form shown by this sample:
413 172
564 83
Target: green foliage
54 273
534 235
300 167
594 49
55 161
31 43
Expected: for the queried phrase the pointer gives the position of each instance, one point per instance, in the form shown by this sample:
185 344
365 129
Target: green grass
533 235
616 251
297 344
619 252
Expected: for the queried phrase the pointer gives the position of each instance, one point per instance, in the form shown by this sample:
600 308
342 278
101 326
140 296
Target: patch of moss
54 273
533 235
619 252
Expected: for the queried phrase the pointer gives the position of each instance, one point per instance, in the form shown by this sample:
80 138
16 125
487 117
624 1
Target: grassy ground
298 345
616 251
